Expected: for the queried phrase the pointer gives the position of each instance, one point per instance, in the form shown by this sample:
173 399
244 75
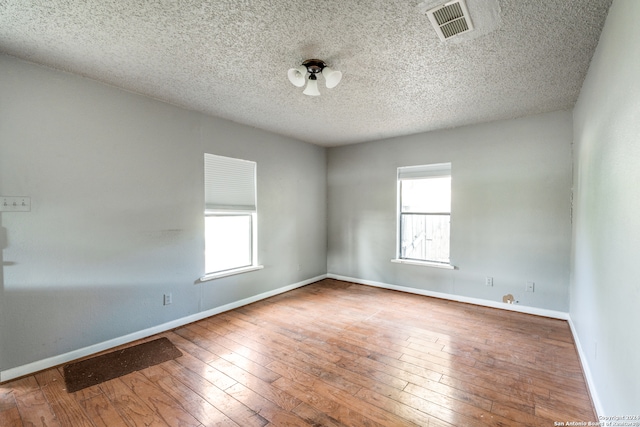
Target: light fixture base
314 66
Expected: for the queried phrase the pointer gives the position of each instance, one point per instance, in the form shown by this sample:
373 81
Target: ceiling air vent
450 19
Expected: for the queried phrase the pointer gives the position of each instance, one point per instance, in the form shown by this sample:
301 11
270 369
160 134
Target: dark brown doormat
96 370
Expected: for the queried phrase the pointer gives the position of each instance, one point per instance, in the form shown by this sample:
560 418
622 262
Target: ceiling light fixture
313 67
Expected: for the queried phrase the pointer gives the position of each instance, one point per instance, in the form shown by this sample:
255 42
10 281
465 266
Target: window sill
233 272
424 263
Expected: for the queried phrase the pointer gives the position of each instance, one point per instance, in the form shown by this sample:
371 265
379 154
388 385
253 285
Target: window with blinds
230 214
424 212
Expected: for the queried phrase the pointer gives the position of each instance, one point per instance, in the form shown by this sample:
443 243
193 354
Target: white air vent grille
450 19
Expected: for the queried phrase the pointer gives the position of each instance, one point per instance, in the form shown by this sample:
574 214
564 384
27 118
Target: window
228 241
229 216
424 212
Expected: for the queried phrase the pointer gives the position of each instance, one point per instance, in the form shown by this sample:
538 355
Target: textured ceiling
229 58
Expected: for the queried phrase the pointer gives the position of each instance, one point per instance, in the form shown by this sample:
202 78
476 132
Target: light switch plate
15 204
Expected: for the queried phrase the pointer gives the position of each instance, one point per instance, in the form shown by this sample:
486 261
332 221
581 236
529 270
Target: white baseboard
587 372
459 298
50 362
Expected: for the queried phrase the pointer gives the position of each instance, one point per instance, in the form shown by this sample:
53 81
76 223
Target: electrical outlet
15 204
488 281
530 287
167 299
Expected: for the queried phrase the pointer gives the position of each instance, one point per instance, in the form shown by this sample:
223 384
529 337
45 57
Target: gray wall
605 285
116 183
510 214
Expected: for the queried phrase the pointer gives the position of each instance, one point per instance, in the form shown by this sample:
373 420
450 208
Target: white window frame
231 190
419 172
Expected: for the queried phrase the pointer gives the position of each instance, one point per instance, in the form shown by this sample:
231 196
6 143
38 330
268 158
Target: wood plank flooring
334 354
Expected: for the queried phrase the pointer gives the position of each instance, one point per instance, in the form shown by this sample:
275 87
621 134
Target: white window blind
436 170
230 184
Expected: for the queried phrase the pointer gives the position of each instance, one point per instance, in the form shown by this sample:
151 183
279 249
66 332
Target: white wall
116 184
605 285
510 215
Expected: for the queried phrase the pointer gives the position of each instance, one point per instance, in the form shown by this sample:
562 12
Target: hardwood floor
331 354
